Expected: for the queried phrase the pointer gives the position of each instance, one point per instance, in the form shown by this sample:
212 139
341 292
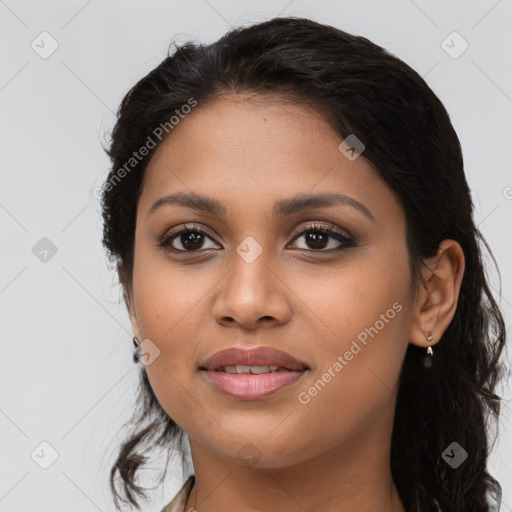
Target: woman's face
261 277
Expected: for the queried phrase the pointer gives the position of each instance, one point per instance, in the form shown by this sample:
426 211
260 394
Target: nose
251 295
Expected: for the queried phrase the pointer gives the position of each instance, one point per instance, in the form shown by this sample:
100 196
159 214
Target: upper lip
260 356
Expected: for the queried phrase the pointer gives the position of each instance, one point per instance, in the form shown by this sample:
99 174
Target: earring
427 360
136 342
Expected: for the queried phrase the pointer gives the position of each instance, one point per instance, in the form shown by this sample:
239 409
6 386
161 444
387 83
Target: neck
347 478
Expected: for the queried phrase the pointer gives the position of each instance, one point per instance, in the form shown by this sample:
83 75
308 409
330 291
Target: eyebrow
281 208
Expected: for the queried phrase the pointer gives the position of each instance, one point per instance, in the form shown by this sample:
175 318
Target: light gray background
67 374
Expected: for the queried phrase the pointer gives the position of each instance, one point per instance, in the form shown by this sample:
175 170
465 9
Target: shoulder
178 502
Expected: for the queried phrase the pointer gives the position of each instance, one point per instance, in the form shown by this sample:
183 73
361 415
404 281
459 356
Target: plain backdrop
67 376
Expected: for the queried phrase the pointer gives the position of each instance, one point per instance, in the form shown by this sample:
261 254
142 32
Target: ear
128 298
438 294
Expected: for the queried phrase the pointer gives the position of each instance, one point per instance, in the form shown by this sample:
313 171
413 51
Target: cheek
167 305
364 298
355 383
362 313
167 297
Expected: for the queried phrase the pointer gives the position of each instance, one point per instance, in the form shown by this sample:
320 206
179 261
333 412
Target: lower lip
252 386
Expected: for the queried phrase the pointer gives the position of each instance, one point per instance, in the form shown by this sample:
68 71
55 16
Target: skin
331 454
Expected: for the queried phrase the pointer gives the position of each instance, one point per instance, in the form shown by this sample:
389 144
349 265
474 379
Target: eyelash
347 241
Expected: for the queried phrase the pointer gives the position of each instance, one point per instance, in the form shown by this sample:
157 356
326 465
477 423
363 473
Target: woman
294 237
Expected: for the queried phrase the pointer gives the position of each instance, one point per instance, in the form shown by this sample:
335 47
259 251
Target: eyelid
318 225
189 226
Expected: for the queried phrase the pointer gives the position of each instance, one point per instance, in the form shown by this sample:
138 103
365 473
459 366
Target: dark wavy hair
359 88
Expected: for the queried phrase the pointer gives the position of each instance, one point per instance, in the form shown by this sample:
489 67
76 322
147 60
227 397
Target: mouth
249 386
243 369
257 360
252 374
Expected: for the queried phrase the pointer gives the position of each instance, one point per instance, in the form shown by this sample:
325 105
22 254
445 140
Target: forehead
264 126
248 150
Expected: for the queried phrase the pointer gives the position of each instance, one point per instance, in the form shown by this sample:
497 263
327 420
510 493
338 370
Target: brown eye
316 239
190 239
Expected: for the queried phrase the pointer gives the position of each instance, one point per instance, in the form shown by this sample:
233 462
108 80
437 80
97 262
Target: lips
252 374
260 356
